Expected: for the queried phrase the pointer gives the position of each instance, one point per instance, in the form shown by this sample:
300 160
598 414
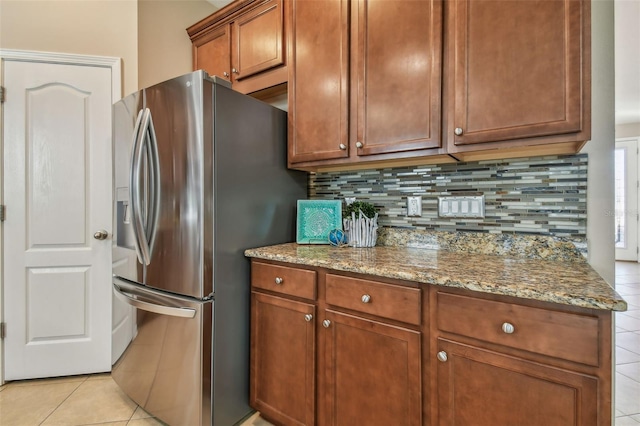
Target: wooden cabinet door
516 68
482 387
258 40
283 359
372 372
318 80
397 61
212 52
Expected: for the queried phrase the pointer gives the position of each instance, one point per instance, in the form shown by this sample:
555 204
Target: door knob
101 235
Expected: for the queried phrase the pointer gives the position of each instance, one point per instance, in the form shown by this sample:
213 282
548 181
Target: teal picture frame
315 219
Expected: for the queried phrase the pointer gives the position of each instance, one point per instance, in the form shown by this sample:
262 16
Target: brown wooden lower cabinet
372 372
341 356
483 387
283 359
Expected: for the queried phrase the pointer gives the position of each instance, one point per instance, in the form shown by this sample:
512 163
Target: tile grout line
63 401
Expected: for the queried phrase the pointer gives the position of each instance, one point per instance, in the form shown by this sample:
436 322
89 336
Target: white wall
600 179
149 35
164 48
627 130
98 27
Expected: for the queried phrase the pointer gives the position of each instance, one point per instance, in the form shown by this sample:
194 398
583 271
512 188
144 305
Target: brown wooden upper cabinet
375 81
364 81
518 76
243 43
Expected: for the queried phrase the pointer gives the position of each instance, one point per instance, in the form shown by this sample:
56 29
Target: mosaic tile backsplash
533 196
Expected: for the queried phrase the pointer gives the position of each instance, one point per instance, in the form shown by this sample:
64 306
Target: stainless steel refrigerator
200 176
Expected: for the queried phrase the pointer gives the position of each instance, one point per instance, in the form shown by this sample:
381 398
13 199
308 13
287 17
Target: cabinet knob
233 70
366 298
326 323
225 74
359 144
442 356
308 317
508 328
458 131
279 280
342 146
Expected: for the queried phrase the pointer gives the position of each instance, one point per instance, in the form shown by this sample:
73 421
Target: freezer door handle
138 302
145 218
134 188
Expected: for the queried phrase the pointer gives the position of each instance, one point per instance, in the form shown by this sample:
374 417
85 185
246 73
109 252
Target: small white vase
361 232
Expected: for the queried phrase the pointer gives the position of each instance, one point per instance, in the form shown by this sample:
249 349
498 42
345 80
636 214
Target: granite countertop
568 283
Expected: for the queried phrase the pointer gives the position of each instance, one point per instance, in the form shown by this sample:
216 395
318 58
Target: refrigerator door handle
133 186
138 302
137 218
154 184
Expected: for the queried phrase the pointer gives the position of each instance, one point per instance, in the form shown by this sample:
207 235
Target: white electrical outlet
414 206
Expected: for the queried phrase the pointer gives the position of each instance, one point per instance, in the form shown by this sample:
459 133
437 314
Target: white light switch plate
461 206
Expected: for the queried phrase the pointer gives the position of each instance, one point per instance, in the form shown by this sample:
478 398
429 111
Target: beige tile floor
77 401
627 396
97 400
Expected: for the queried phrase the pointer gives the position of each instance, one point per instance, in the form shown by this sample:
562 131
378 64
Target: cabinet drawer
562 335
284 279
384 300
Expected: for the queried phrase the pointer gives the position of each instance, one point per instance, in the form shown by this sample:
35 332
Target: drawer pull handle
366 298
508 328
308 317
442 356
326 323
279 280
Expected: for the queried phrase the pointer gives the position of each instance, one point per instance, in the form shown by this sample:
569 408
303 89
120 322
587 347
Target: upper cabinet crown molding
227 12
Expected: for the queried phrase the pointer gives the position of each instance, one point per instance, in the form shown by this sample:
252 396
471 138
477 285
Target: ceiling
627 59
627 62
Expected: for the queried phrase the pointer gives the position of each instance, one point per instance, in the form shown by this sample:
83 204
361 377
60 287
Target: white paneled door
57 233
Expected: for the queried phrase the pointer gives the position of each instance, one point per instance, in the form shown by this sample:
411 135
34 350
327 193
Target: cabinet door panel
212 53
260 42
398 75
373 373
517 69
318 80
282 359
482 387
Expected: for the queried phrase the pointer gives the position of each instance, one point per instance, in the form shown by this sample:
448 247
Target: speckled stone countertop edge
598 294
